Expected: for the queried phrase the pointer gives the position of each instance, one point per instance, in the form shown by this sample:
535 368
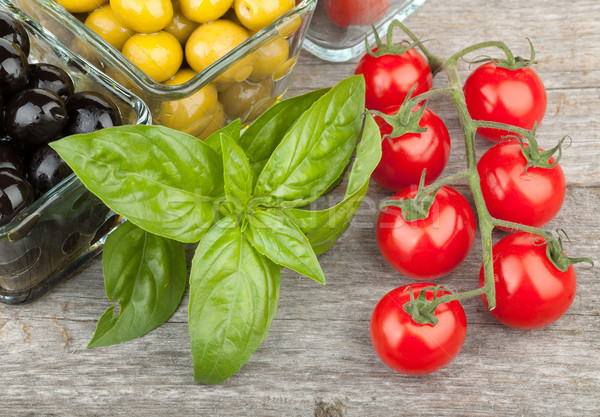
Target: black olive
6 139
10 159
13 68
51 78
88 111
46 170
13 31
15 194
34 117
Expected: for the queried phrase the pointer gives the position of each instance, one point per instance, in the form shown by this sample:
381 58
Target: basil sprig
240 196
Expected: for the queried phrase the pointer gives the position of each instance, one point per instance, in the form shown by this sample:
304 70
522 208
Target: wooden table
318 359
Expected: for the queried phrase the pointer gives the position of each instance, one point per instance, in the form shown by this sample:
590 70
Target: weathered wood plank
318 359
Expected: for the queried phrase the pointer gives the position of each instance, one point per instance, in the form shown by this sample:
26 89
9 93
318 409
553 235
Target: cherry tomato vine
422 309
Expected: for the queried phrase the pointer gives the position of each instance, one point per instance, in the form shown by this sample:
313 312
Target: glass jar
51 238
339 27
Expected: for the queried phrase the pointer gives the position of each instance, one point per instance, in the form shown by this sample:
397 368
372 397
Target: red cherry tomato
531 197
412 348
515 97
404 158
530 291
432 247
389 78
344 13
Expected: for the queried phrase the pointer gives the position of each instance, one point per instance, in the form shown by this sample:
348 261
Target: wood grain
317 360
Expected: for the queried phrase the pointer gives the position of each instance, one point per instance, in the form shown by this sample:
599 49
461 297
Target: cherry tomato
531 197
530 291
412 348
389 78
404 158
432 247
515 97
345 13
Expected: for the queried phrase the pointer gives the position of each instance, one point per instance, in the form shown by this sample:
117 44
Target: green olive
81 6
191 114
180 26
204 11
159 55
104 22
211 41
247 100
257 14
269 58
143 16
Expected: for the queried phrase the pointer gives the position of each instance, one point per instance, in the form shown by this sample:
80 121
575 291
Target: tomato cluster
173 40
425 235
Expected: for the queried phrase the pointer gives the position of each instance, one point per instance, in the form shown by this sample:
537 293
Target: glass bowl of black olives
49 223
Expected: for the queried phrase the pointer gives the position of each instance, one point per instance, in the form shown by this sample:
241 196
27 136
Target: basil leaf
323 228
274 235
232 130
264 134
237 174
162 180
147 274
315 151
233 299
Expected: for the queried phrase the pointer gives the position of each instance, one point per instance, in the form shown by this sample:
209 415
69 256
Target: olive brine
38 104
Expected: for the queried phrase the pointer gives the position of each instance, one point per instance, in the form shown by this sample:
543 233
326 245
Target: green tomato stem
435 63
510 58
486 222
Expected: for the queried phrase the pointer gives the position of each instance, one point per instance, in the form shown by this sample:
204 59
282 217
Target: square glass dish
237 90
48 240
339 27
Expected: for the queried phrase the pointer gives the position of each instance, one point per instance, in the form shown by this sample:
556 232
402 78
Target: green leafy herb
276 236
237 174
164 181
317 148
147 274
236 195
324 227
262 137
233 299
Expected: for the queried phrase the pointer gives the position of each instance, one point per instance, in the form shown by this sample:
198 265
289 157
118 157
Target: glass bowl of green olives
49 223
197 64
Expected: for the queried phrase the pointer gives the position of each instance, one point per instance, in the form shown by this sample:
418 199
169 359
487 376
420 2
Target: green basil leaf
233 130
237 174
233 299
315 151
324 227
147 274
264 134
274 235
162 180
